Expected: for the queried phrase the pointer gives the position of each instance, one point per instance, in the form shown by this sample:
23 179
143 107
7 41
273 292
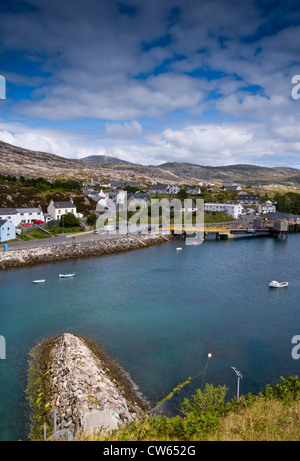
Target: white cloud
206 144
123 130
139 72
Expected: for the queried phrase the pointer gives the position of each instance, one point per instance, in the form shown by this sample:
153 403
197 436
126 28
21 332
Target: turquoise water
159 313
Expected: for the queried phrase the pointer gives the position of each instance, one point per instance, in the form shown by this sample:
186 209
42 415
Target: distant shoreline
78 250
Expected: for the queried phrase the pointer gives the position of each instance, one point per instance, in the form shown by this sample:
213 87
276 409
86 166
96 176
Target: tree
207 401
182 194
91 219
69 220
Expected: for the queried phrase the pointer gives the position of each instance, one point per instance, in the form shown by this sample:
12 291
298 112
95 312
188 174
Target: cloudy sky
150 81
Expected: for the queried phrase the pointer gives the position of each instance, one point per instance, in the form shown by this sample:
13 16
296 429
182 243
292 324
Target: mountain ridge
18 161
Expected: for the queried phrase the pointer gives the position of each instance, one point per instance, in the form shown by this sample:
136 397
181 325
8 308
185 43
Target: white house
232 186
7 230
233 210
267 207
174 189
30 215
10 214
58 209
141 200
103 201
193 190
165 189
121 197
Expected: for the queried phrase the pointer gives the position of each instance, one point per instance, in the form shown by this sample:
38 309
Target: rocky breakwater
63 252
87 390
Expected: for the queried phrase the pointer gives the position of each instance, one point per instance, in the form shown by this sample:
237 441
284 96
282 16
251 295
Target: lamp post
239 376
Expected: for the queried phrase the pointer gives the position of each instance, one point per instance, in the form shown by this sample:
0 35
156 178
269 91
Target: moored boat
275 284
67 275
38 281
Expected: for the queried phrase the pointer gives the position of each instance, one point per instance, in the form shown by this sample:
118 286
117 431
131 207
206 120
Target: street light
239 376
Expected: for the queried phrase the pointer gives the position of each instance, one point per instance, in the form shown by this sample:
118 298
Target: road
60 240
67 239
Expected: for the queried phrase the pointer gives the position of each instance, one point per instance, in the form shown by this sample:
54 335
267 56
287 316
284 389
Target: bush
69 220
91 219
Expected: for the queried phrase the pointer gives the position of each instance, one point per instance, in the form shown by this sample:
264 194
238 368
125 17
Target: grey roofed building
8 211
142 196
63 204
116 184
139 198
232 186
159 188
29 210
7 230
249 198
280 215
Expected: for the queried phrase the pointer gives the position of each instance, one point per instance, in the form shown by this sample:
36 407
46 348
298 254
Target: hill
244 173
17 161
103 159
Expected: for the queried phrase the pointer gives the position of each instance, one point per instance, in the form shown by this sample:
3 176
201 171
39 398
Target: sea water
159 312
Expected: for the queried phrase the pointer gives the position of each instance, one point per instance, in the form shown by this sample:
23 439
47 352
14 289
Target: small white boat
38 281
178 249
67 275
275 284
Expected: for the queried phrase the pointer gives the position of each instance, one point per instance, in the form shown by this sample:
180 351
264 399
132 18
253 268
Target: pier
276 225
222 233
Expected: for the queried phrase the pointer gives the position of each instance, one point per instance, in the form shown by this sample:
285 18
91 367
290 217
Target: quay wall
79 384
74 250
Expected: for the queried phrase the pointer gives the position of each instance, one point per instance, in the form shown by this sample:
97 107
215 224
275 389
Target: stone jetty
88 391
63 252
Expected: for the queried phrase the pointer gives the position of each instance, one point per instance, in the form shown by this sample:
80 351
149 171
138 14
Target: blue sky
200 81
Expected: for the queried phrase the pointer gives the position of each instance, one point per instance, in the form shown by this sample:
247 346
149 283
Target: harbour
159 312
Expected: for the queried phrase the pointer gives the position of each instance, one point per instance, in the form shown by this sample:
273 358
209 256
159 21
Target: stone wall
88 392
63 252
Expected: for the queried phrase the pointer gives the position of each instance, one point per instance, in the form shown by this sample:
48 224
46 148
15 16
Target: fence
57 435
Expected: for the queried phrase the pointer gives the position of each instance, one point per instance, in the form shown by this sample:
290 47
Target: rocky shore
87 390
28 257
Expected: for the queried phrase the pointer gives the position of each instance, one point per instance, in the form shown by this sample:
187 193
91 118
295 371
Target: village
15 223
